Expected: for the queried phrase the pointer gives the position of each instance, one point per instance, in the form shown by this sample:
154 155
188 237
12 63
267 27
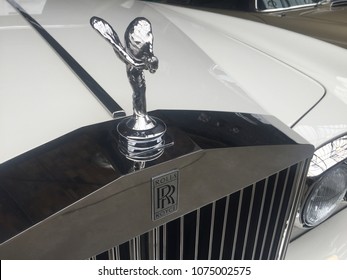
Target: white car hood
323 62
41 99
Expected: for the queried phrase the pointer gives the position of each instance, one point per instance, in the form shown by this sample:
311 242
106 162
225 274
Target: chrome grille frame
108 208
253 223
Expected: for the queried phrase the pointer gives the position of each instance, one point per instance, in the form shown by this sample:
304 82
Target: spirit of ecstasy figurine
141 137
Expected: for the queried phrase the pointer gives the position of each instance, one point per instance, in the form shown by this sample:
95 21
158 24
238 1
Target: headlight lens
324 196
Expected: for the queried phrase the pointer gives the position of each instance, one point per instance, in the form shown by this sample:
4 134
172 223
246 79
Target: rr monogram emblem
164 195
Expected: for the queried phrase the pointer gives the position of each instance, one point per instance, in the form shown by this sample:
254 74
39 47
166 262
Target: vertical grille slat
154 253
283 179
268 218
285 211
302 168
283 203
237 225
213 211
218 229
134 248
225 218
196 249
259 218
247 224
111 254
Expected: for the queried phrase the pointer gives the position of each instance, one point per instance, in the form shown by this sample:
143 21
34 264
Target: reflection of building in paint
33 7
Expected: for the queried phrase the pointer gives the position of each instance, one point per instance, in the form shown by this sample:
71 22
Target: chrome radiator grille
247 224
236 194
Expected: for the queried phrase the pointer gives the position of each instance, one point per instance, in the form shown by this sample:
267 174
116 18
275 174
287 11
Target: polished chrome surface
141 136
271 6
91 191
236 226
138 56
328 155
143 145
338 3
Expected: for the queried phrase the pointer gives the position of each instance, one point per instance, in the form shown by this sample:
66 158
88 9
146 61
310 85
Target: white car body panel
304 86
310 56
326 242
34 94
276 88
187 91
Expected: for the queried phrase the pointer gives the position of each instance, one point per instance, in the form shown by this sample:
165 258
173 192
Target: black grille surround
246 225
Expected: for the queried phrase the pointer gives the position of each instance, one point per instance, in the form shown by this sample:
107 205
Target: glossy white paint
323 62
327 241
189 76
59 103
40 98
274 85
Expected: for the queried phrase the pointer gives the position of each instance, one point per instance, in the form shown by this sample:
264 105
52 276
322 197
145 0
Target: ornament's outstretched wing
111 36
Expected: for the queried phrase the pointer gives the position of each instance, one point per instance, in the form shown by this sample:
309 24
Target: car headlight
326 183
325 195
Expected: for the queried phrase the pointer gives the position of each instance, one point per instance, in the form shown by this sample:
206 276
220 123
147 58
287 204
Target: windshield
245 5
240 5
281 4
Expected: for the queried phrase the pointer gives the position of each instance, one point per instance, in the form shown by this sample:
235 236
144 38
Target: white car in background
242 108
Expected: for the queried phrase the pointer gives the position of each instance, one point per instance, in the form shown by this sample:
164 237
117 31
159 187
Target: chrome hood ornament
141 137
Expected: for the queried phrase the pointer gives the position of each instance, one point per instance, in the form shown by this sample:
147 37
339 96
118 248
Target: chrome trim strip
226 210
131 244
337 3
213 213
260 217
237 224
111 254
248 222
137 249
269 216
117 253
328 156
156 243
197 227
282 9
279 211
107 101
299 181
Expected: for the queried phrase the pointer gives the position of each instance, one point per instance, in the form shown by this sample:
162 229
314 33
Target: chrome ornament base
141 137
142 145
